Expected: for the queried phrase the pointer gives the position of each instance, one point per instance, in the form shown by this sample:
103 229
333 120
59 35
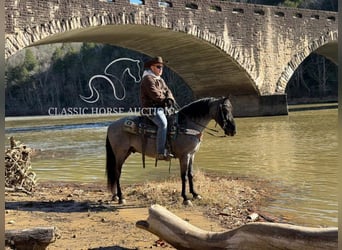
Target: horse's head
224 116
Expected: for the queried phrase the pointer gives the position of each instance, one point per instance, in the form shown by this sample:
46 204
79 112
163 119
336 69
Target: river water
298 153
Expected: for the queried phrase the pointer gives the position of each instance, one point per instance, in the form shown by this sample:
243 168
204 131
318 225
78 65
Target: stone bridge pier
219 48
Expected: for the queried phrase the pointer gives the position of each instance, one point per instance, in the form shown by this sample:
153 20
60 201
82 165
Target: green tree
329 5
292 3
30 62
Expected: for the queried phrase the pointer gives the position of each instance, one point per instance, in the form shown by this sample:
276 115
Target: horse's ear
229 96
224 97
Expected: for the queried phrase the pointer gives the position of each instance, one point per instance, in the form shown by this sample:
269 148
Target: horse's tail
110 165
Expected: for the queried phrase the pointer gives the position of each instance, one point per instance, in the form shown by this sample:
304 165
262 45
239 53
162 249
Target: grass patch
229 200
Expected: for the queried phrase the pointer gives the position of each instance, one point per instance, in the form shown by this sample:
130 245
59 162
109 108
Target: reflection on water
297 152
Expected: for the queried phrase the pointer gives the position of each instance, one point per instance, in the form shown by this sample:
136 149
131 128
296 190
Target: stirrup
165 157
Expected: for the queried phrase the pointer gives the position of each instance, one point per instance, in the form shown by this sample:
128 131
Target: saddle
142 125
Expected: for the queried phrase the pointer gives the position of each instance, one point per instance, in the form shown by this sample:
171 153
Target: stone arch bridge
217 47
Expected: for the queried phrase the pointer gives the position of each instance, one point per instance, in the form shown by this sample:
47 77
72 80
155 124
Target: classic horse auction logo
132 66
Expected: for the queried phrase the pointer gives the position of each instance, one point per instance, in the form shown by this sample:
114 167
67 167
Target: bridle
223 118
219 112
219 115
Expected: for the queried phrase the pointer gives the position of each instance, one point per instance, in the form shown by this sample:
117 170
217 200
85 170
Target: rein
207 128
219 109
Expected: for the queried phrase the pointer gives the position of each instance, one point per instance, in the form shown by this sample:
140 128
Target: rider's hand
169 102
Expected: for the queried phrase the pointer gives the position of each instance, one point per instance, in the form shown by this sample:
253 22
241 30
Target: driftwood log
19 176
31 239
257 235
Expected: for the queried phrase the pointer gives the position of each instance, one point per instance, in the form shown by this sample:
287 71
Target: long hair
196 109
110 166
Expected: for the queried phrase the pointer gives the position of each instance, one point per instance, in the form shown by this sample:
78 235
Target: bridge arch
240 49
183 45
329 40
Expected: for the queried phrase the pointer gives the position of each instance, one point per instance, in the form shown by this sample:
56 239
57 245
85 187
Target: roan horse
192 120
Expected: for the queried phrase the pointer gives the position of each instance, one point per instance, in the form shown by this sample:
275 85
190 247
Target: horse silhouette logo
131 68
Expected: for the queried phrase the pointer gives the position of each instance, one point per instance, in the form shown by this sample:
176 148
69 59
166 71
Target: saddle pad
136 126
130 126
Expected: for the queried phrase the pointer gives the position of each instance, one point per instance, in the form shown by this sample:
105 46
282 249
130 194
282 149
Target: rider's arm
153 90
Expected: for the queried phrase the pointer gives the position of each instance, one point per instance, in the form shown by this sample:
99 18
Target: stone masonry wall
267 42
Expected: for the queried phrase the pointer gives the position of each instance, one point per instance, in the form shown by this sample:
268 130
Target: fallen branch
260 235
34 238
17 189
18 172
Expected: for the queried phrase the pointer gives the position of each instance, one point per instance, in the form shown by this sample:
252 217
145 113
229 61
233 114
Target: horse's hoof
115 198
122 201
187 203
198 197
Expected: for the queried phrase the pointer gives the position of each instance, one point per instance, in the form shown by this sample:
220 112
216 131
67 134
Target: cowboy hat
154 60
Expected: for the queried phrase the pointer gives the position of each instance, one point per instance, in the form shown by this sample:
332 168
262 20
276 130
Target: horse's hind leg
119 196
117 193
116 187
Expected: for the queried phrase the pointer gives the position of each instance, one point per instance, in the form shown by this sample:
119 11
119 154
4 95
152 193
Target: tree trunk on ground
258 235
31 239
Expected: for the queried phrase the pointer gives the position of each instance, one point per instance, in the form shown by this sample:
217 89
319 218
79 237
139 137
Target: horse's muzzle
230 130
230 133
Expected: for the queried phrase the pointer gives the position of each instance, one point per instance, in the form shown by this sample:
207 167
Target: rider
155 96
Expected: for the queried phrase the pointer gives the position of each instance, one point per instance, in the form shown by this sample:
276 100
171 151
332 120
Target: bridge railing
227 8
233 7
16 14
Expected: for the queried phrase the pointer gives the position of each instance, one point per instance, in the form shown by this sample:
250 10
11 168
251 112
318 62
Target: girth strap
143 148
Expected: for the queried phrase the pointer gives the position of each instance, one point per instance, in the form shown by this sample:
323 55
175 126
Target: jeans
161 121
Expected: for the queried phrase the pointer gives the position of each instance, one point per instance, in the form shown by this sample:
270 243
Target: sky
135 1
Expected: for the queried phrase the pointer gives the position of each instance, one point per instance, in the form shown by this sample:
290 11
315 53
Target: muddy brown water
298 153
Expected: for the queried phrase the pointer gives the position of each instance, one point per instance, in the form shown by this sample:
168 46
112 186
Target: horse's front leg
191 177
184 163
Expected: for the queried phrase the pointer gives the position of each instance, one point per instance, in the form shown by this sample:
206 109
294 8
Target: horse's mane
196 109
